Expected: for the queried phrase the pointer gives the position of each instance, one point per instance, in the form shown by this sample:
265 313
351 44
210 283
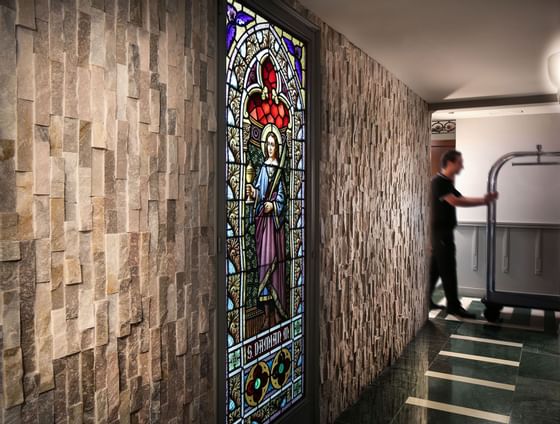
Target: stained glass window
265 191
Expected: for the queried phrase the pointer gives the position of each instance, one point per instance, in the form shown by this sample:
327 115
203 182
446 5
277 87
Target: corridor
470 372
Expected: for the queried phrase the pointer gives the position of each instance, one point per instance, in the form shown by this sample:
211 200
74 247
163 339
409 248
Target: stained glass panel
265 214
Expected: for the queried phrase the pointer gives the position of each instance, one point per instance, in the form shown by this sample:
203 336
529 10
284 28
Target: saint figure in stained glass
270 116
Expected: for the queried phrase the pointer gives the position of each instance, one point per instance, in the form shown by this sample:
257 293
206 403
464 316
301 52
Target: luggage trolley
495 300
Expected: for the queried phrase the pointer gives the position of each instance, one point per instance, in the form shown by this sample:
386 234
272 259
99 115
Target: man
445 198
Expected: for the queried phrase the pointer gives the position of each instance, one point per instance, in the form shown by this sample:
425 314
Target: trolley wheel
492 312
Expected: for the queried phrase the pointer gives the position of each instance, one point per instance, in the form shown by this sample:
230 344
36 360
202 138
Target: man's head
452 162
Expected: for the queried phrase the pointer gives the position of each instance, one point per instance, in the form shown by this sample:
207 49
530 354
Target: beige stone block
41 217
101 322
110 119
98 173
97 52
43 260
73 338
97 94
57 177
116 260
8 225
24 204
8 75
41 158
84 199
24 141
122 91
12 361
42 104
84 94
133 181
72 271
86 317
25 64
71 92
45 365
56 134
98 221
154 110
71 240
43 306
98 135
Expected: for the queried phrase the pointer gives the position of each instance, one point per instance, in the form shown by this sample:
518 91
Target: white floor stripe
466 302
484 340
460 410
434 313
480 358
470 380
493 324
507 310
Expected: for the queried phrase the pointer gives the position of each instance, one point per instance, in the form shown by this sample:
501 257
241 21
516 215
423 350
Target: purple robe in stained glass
270 238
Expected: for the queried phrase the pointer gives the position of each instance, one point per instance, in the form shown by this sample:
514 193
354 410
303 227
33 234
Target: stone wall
374 176
107 135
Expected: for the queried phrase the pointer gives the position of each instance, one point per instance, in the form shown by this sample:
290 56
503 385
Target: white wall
527 194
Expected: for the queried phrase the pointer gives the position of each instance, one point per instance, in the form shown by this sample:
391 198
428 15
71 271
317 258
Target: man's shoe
435 306
461 313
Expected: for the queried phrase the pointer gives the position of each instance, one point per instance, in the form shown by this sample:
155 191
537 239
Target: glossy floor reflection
469 372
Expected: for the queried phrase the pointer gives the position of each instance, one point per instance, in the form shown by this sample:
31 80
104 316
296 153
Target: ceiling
450 50
488 112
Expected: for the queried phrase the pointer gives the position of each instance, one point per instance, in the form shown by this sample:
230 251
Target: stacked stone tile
374 177
107 135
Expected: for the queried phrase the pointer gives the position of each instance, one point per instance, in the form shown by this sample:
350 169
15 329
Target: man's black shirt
444 216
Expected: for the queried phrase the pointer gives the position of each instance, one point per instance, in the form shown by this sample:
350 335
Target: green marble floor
470 372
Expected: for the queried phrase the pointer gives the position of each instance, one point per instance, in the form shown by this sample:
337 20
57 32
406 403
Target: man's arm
469 201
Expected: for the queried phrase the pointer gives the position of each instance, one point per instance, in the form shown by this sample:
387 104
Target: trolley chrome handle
491 212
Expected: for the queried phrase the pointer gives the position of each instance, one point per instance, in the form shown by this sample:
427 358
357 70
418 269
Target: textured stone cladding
374 204
107 253
107 264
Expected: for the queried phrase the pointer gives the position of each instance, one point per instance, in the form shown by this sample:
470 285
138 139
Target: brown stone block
11 319
8 225
70 186
57 87
84 31
24 142
8 75
155 348
12 362
9 251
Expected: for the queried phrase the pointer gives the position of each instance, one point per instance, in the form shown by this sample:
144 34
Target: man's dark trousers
443 264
